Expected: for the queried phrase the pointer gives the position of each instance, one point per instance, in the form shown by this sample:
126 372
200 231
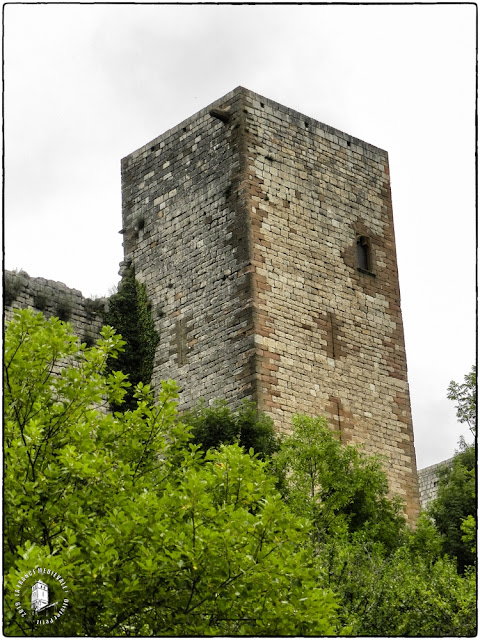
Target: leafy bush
400 594
455 502
217 424
338 487
152 537
465 395
155 537
390 581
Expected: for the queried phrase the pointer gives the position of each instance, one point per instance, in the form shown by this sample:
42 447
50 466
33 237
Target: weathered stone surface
53 299
428 481
244 229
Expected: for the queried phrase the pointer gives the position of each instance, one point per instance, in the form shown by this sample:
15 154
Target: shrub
129 313
218 424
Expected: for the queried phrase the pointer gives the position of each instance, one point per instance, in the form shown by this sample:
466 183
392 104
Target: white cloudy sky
85 85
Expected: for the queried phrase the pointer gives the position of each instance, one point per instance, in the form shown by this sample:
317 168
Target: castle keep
265 240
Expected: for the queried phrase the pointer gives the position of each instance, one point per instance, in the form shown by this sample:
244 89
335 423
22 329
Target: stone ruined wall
53 299
328 328
186 234
428 482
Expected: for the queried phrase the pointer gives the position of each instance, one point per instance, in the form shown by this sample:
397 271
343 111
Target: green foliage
151 536
155 537
469 530
130 315
425 541
465 395
401 594
389 581
456 502
337 487
454 510
217 424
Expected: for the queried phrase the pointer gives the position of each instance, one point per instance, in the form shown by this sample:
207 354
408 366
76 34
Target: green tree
337 487
390 581
151 536
217 424
465 395
456 503
455 508
469 530
129 313
404 593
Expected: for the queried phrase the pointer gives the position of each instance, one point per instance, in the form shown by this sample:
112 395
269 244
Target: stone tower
266 243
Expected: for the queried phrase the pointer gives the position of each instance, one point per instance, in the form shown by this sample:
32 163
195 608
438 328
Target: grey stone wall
187 236
428 481
53 299
245 222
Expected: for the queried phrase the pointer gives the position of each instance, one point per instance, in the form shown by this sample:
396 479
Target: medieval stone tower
266 243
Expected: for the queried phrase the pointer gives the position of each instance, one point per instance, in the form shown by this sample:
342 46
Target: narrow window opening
363 257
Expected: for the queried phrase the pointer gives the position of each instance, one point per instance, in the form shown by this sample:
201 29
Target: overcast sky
85 85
